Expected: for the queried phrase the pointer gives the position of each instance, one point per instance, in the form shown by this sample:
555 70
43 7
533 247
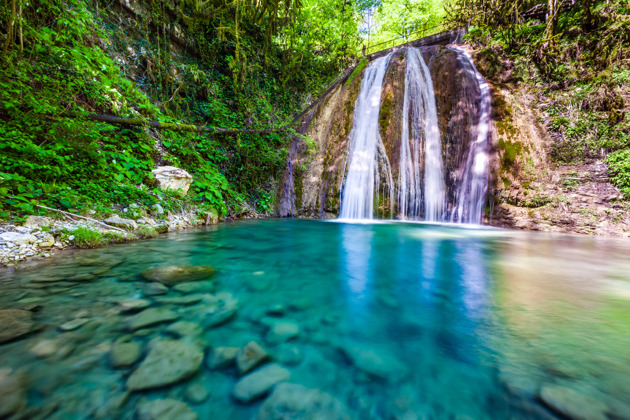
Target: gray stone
151 316
133 305
195 287
184 329
124 353
175 274
282 330
376 362
166 409
292 401
15 323
573 404
260 382
224 309
121 223
250 356
18 238
12 392
154 289
222 357
172 178
73 324
33 222
168 362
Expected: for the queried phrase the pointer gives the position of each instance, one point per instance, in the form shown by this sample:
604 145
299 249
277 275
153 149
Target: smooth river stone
73 324
12 392
184 329
281 331
166 409
151 316
260 382
376 362
292 401
168 362
154 289
195 287
133 305
175 274
250 356
222 357
124 353
179 300
573 404
15 323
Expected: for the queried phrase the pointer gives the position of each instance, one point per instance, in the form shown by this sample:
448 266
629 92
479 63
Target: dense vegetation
578 63
226 64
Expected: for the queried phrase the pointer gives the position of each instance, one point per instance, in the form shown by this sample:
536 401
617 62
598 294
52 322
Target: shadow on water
395 320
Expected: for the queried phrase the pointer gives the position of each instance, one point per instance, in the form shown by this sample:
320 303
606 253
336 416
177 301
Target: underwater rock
15 323
292 401
197 393
180 300
49 348
281 331
376 362
288 354
205 286
73 324
133 305
277 310
151 316
175 274
12 392
154 289
223 310
258 383
124 353
572 403
250 356
184 329
222 357
166 409
82 278
168 362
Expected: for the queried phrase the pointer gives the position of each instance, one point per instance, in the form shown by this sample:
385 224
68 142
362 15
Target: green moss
357 70
510 150
385 112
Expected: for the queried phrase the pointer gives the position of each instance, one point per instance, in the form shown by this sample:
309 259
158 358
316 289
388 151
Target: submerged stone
572 403
195 287
258 383
133 305
73 324
223 310
168 362
175 274
12 392
124 353
15 323
184 329
154 289
166 409
292 401
197 393
151 316
282 331
250 356
376 362
52 348
222 357
180 300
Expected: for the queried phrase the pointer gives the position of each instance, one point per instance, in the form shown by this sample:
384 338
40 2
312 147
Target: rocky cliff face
525 190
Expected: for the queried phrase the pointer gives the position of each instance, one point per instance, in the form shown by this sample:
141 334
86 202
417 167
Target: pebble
124 353
222 357
150 317
166 409
73 324
154 289
250 356
259 383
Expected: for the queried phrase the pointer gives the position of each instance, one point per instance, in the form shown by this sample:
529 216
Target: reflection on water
387 320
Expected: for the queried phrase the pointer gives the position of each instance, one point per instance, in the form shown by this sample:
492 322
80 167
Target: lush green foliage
578 68
238 65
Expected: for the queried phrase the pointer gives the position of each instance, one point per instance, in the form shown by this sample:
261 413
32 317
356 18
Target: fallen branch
71 215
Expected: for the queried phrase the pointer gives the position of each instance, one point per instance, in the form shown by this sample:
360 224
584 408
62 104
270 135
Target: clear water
479 319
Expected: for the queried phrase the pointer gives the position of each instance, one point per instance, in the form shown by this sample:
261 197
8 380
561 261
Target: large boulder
172 178
15 323
292 401
175 274
168 362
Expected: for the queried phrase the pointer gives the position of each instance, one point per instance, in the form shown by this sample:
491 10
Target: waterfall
366 158
473 187
420 122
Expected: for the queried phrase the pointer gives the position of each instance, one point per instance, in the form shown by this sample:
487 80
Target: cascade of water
420 122
365 147
473 188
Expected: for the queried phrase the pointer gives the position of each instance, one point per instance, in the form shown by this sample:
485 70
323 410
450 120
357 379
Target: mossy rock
175 274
